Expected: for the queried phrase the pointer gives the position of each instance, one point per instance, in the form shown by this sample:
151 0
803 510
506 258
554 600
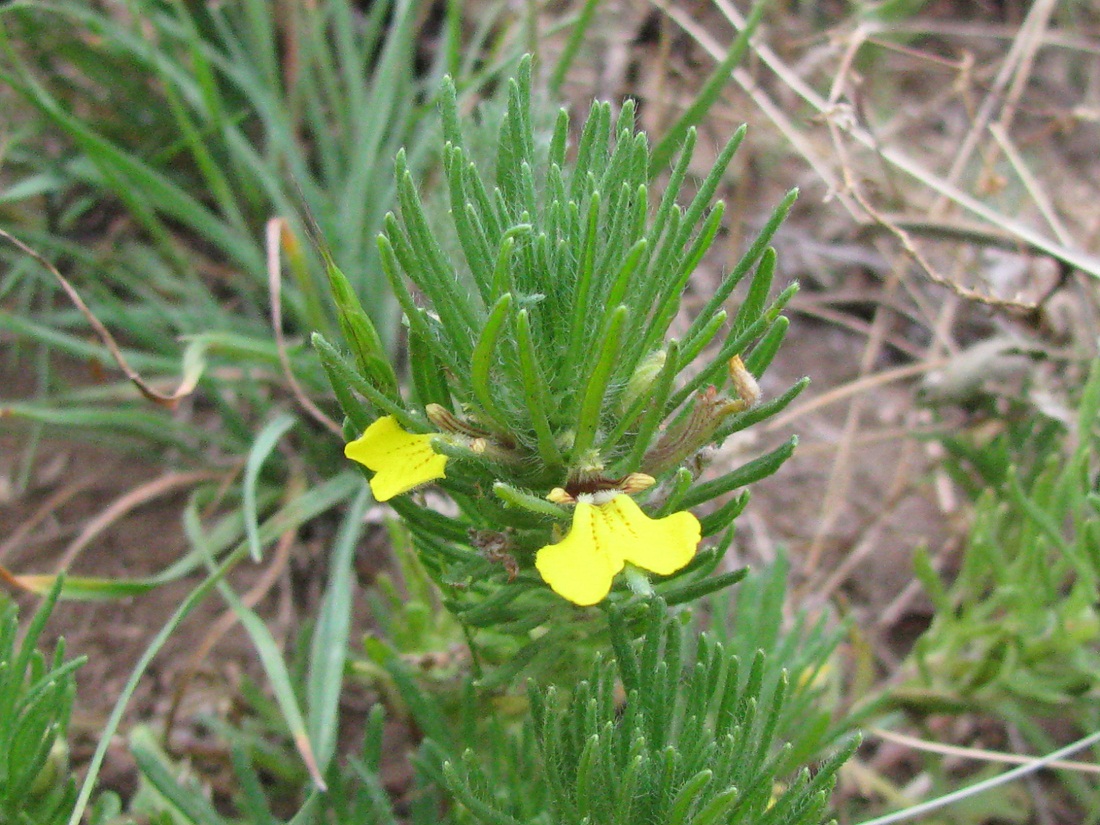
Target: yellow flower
604 537
401 460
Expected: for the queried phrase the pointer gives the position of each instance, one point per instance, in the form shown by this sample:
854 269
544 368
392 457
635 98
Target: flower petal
581 566
604 537
400 460
662 545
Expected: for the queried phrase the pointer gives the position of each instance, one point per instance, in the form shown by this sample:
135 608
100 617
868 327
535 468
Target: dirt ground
870 327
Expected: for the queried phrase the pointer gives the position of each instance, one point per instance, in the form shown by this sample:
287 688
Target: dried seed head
448 422
682 440
636 482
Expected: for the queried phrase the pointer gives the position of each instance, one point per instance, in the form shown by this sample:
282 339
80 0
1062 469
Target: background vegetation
924 569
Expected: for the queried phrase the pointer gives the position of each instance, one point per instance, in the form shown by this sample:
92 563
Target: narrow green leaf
581 312
655 405
428 375
253 797
762 411
458 786
759 289
706 97
359 332
526 501
595 387
329 646
342 373
188 802
381 807
536 394
748 260
577 35
666 303
766 348
743 476
720 519
484 357
265 442
687 797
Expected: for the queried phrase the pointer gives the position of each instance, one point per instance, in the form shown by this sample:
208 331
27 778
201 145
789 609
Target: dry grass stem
53 503
980 754
856 387
275 229
127 503
224 623
840 116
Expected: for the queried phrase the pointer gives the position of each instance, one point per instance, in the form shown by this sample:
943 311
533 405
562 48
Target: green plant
231 136
1016 633
36 697
544 387
799 660
671 728
1017 627
544 390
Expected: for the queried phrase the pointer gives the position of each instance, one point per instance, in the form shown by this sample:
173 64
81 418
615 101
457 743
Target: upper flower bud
644 377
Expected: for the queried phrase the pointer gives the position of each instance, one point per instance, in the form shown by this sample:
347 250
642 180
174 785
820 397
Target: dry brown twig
170 400
837 121
897 159
906 242
860 385
50 506
1012 76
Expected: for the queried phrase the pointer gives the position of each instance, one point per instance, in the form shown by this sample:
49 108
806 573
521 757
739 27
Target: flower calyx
469 436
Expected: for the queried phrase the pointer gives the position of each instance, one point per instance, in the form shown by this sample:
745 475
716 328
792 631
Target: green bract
538 337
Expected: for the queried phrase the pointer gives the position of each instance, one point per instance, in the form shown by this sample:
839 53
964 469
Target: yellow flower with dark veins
400 460
604 537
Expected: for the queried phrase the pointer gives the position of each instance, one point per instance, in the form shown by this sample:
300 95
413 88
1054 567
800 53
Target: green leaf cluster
539 321
1016 632
150 142
1018 626
672 728
799 651
36 697
674 724
192 119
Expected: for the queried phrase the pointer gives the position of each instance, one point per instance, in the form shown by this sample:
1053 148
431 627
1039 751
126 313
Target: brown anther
591 483
636 482
559 496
